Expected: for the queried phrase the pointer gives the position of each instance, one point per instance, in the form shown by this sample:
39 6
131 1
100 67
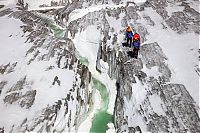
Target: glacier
63 67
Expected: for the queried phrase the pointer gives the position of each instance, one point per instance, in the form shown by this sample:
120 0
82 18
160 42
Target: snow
8 2
174 8
177 61
104 66
111 128
11 41
139 2
134 118
11 114
152 72
86 124
87 44
139 92
78 13
34 4
13 49
46 92
156 104
181 51
182 59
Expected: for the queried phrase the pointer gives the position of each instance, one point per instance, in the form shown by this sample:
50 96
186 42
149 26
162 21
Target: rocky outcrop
159 106
25 100
16 94
177 106
5 12
130 71
2 84
5 69
180 21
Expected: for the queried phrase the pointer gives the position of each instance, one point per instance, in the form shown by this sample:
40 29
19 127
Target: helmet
136 36
129 29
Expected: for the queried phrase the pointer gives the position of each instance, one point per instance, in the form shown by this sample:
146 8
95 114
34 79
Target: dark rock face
15 95
7 68
63 14
165 106
1 6
181 21
176 102
5 12
2 84
155 58
25 100
1 130
18 86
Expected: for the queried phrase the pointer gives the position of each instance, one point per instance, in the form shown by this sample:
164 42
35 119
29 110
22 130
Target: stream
101 117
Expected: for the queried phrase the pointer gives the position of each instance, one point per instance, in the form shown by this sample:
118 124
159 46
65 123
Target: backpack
136 44
136 41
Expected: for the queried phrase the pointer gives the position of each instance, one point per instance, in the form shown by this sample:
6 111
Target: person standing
136 45
129 35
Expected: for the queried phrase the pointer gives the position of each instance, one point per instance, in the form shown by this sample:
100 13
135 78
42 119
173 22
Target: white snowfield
181 51
13 49
8 2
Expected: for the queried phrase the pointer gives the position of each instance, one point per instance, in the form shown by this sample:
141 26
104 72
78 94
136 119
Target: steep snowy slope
76 76
41 82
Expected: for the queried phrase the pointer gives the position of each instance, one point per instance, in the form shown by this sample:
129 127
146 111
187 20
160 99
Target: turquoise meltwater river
57 30
102 117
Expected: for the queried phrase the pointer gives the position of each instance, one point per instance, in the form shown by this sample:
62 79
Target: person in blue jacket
129 36
136 45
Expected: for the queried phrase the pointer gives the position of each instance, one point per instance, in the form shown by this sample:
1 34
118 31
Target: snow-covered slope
41 79
76 76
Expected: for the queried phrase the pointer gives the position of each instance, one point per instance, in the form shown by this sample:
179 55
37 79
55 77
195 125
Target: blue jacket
129 34
136 44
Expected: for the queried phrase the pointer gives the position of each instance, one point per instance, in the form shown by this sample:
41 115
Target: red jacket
136 40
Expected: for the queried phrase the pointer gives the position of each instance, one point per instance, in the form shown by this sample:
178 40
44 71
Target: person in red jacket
136 45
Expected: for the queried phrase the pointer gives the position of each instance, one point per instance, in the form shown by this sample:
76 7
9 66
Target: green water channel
100 121
82 59
57 30
102 117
